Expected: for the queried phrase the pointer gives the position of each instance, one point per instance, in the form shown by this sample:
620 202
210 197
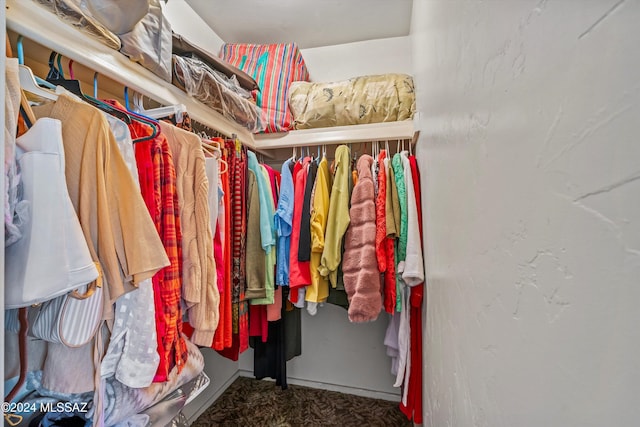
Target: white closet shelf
338 134
34 22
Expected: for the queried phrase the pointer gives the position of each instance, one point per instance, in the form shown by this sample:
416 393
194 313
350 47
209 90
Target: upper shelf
38 24
43 27
337 135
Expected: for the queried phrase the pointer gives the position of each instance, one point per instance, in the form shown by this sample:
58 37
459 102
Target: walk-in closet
363 212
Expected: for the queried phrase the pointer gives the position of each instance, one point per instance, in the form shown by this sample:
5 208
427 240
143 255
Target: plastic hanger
29 84
56 76
107 108
95 85
142 119
156 113
38 80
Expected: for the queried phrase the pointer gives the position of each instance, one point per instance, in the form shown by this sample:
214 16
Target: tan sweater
359 265
199 287
113 215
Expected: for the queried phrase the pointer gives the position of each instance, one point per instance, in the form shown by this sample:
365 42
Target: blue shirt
267 231
283 220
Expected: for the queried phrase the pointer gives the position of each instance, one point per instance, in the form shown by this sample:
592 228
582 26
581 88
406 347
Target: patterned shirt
158 185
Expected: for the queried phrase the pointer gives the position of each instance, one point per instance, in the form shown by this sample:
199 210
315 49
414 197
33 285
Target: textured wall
531 186
343 61
186 22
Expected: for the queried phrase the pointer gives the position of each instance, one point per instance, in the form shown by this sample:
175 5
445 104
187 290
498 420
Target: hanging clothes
392 212
338 219
304 244
266 226
256 265
12 217
401 249
411 405
318 291
284 222
256 256
274 311
199 280
123 240
413 269
223 338
238 188
132 355
360 269
299 271
87 141
160 192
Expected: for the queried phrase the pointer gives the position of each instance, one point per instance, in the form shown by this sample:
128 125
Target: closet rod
36 23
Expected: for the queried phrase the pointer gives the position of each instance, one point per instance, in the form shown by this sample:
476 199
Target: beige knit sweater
199 287
359 265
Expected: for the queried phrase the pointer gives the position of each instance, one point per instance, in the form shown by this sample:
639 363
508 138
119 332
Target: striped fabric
274 67
69 321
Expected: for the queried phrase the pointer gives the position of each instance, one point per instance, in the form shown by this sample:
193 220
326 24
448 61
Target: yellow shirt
318 291
338 219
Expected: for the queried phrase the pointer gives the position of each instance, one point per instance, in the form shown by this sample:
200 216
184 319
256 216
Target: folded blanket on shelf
360 100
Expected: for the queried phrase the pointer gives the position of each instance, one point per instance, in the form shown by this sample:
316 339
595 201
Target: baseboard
374 394
214 396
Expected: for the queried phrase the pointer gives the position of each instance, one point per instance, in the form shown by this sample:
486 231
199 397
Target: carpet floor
249 402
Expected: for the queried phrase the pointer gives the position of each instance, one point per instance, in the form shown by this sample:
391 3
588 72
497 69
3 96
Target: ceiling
309 23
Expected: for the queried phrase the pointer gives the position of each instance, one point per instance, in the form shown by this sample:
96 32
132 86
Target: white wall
339 62
339 355
186 22
530 173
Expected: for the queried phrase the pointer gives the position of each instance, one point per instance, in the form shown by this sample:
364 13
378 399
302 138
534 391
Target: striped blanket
274 67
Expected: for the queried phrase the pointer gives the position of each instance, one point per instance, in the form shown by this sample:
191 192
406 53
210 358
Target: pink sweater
359 264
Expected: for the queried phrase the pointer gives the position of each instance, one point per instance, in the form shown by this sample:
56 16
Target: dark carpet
250 402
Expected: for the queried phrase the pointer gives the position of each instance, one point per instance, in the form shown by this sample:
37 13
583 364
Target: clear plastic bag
217 91
76 13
